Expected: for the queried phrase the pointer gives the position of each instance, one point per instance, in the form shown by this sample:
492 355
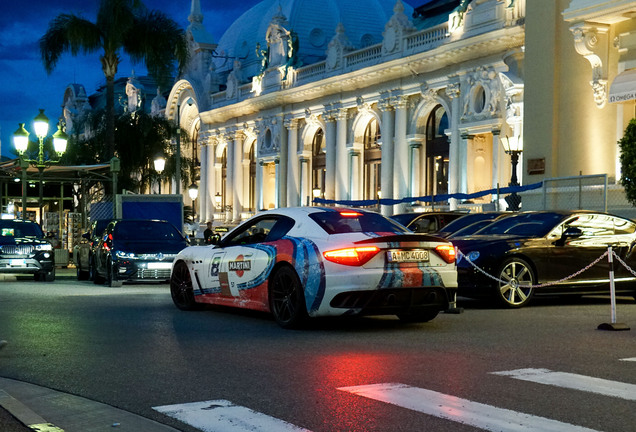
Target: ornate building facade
376 101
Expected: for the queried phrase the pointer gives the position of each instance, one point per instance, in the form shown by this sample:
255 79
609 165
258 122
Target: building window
319 148
437 152
372 161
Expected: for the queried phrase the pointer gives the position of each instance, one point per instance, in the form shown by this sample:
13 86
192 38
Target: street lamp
160 164
218 199
193 192
21 143
513 146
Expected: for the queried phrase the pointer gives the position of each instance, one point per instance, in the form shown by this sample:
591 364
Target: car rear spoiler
403 238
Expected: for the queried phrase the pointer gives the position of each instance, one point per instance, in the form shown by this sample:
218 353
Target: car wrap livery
309 262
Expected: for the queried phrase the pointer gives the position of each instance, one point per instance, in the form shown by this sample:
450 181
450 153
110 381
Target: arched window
372 160
318 163
437 152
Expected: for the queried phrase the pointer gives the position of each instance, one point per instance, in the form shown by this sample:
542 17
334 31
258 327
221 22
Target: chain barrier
592 264
629 269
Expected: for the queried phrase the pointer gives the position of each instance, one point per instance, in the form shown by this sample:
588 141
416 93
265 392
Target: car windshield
524 224
346 221
16 228
146 230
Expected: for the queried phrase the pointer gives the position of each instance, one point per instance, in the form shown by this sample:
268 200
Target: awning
623 88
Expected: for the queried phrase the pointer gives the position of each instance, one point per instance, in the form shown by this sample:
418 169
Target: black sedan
543 253
137 250
427 222
469 224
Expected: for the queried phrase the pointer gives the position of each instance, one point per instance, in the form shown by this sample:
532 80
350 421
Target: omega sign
623 97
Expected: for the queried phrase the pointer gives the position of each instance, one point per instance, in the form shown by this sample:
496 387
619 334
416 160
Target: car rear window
146 230
346 221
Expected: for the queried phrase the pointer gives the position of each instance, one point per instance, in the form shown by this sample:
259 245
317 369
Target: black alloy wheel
287 298
517 277
181 287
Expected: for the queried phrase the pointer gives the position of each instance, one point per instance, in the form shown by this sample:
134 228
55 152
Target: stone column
211 183
386 176
454 166
237 200
401 155
293 175
342 161
281 180
416 170
277 179
259 184
203 185
229 179
330 156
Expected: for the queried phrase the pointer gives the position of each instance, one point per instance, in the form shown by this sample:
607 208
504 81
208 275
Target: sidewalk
27 407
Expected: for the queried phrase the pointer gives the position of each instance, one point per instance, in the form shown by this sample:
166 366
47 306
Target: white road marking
460 410
629 359
224 416
574 381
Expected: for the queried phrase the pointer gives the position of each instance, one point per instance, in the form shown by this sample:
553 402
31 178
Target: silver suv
23 249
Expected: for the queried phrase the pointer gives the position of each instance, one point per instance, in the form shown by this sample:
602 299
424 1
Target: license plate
17 263
159 265
401 256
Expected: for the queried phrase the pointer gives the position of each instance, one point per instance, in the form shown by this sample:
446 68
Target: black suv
136 250
23 249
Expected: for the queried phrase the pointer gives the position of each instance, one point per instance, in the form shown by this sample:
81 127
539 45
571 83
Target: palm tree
146 36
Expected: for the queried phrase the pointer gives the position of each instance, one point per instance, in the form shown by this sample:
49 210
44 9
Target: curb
46 410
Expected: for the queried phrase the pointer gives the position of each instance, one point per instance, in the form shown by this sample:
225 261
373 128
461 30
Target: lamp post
218 199
21 143
513 146
160 164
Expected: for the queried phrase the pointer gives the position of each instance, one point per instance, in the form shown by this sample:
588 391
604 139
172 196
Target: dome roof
315 23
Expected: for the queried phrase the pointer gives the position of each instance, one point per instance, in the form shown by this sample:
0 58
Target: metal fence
589 192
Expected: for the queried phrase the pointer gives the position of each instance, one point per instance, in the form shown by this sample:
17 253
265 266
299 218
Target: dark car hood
8 240
150 246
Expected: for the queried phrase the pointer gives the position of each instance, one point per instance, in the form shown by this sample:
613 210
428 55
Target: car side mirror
572 232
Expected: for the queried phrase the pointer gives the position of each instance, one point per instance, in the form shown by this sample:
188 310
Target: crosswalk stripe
224 416
574 381
460 410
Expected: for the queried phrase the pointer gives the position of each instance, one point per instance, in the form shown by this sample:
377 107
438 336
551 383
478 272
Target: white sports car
313 261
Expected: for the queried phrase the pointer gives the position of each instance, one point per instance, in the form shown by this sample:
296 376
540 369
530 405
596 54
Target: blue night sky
24 85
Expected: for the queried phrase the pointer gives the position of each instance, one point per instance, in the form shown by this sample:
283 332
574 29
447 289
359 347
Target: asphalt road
130 348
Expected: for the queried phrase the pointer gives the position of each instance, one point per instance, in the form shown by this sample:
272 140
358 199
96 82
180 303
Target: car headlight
44 247
122 254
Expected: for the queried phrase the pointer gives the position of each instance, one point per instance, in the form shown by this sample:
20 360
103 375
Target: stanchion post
613 325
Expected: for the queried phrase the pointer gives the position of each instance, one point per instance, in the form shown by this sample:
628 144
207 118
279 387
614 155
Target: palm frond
68 32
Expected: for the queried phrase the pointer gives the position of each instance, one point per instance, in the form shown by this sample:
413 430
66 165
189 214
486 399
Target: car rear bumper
392 300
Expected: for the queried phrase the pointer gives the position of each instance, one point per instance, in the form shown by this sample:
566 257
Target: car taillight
354 256
447 252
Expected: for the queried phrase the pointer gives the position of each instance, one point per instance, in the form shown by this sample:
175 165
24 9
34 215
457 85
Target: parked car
85 250
311 261
469 224
23 249
427 222
137 250
524 251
